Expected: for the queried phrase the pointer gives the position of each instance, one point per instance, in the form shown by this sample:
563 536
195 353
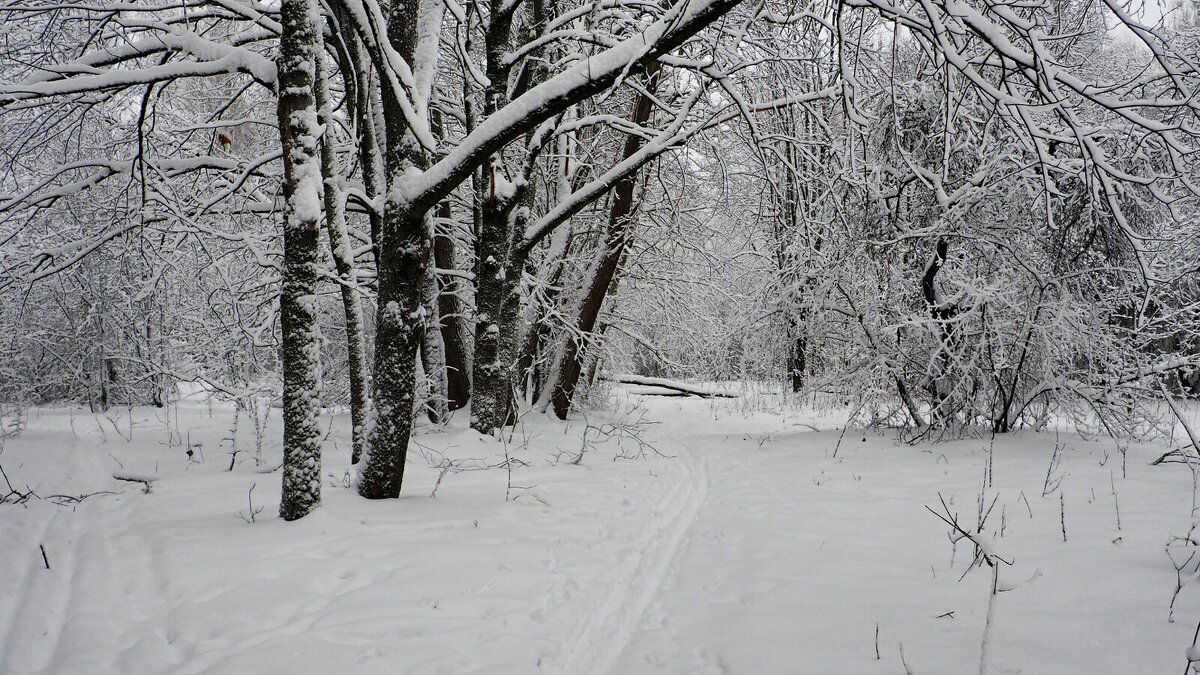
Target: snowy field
738 543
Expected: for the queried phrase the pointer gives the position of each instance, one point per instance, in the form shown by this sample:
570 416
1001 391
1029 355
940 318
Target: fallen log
656 391
683 388
1177 456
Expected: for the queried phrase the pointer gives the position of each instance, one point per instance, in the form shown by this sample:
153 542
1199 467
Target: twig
1179 581
1116 503
1052 483
253 512
1062 514
982 551
74 499
907 670
15 495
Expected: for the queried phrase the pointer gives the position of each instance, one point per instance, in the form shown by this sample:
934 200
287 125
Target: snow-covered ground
745 547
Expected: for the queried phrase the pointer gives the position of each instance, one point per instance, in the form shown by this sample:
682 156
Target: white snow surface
747 548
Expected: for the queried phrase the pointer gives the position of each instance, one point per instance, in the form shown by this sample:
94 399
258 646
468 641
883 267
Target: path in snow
100 565
604 633
797 562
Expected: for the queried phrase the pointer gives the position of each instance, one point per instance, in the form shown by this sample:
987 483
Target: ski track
14 630
70 629
603 636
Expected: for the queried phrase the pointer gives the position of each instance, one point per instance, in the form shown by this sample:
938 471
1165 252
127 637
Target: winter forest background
784 275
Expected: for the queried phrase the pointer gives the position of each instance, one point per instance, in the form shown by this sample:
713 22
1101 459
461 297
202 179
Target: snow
746 547
502 188
307 199
309 192
425 60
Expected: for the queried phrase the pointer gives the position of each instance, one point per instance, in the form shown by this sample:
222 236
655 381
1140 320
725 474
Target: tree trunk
103 401
497 273
941 314
797 360
497 307
299 134
343 260
619 221
399 329
370 144
433 352
452 321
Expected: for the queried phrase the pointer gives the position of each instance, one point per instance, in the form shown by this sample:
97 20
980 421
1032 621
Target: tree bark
399 330
452 321
433 351
300 355
497 273
797 361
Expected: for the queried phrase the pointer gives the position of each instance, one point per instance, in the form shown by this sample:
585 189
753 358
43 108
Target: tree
300 137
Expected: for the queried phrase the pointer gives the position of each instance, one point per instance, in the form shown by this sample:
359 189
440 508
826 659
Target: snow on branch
587 77
231 62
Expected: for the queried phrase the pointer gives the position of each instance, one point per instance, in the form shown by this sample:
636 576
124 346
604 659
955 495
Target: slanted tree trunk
299 135
538 334
343 261
620 219
370 143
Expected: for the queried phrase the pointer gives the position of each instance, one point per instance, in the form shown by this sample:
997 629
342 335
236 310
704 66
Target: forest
687 298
